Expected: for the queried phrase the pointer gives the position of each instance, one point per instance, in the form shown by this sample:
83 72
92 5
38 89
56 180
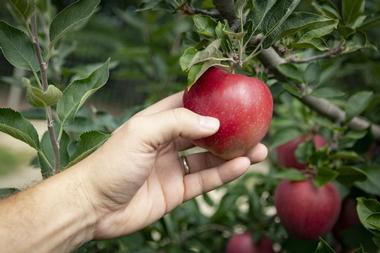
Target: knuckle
134 124
180 114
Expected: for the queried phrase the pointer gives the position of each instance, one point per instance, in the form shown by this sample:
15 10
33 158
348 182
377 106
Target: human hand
136 177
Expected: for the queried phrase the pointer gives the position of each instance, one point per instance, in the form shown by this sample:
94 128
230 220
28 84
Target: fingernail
209 123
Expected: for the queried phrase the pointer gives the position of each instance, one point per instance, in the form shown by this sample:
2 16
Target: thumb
166 126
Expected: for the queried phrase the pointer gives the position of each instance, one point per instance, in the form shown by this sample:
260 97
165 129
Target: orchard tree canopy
318 191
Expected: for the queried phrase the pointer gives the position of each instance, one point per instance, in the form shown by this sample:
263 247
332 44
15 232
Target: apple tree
318 57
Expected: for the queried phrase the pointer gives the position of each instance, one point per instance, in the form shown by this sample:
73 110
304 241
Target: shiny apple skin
243 105
307 211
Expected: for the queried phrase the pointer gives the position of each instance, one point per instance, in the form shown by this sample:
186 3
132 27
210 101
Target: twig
45 85
187 9
226 9
333 52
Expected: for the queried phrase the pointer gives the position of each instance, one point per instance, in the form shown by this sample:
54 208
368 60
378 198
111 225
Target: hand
136 176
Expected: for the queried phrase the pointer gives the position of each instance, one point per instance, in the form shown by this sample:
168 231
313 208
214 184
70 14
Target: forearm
53 216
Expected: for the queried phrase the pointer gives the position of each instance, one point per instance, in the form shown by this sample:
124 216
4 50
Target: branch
45 84
226 9
324 107
333 52
187 9
272 59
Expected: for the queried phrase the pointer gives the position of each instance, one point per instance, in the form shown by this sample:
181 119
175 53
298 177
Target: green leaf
12 123
374 220
290 174
370 22
39 98
300 21
324 175
5 192
292 71
23 8
88 143
320 31
352 10
324 247
359 250
198 69
366 208
312 73
292 89
356 42
311 25
192 57
71 16
327 92
304 151
17 48
347 155
187 57
348 175
371 185
327 8
279 12
204 25
207 199
76 94
317 43
284 135
260 10
46 155
357 103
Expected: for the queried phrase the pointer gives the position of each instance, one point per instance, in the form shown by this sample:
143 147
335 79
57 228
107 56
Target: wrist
86 204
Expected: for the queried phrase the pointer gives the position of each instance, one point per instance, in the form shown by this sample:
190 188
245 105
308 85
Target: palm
162 191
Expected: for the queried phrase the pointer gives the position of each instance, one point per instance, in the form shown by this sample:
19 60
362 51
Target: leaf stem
44 80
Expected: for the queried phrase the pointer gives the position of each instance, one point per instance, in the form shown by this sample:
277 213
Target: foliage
328 52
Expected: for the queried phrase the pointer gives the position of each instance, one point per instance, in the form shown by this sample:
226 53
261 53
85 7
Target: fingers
166 126
171 102
207 180
204 160
182 144
258 153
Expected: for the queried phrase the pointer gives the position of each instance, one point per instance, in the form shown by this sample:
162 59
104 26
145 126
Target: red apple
305 210
240 243
348 217
286 152
242 104
264 245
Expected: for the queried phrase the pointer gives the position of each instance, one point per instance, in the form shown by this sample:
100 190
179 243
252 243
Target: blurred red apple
242 104
264 245
348 217
307 211
286 152
240 243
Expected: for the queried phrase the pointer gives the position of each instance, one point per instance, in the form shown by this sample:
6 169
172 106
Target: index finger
168 103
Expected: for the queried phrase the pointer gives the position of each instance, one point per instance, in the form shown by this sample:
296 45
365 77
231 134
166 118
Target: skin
306 211
129 182
242 104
